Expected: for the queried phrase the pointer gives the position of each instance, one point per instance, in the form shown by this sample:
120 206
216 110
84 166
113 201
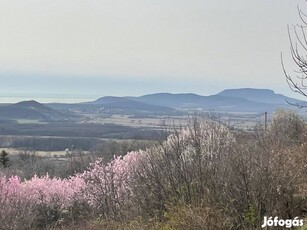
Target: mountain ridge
260 95
242 99
228 100
127 103
29 110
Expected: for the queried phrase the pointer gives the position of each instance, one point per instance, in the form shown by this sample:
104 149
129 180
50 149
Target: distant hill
194 101
260 95
241 100
29 110
32 105
129 104
169 99
229 100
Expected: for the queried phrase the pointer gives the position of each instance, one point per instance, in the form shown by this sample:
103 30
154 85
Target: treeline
48 143
27 163
77 130
61 143
204 176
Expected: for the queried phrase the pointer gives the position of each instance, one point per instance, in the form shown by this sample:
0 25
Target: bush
287 128
196 218
201 177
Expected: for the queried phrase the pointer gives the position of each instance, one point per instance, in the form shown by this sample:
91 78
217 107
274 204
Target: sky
79 49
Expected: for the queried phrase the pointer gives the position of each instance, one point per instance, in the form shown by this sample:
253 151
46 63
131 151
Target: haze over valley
85 124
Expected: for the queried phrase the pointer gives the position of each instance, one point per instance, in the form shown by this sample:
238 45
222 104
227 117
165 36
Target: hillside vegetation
203 176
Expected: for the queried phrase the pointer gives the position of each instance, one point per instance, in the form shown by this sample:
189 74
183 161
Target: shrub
200 177
287 128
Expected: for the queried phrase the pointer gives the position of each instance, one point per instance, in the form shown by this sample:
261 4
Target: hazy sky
134 47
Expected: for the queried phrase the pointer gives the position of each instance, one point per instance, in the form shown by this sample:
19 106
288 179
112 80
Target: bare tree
298 47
